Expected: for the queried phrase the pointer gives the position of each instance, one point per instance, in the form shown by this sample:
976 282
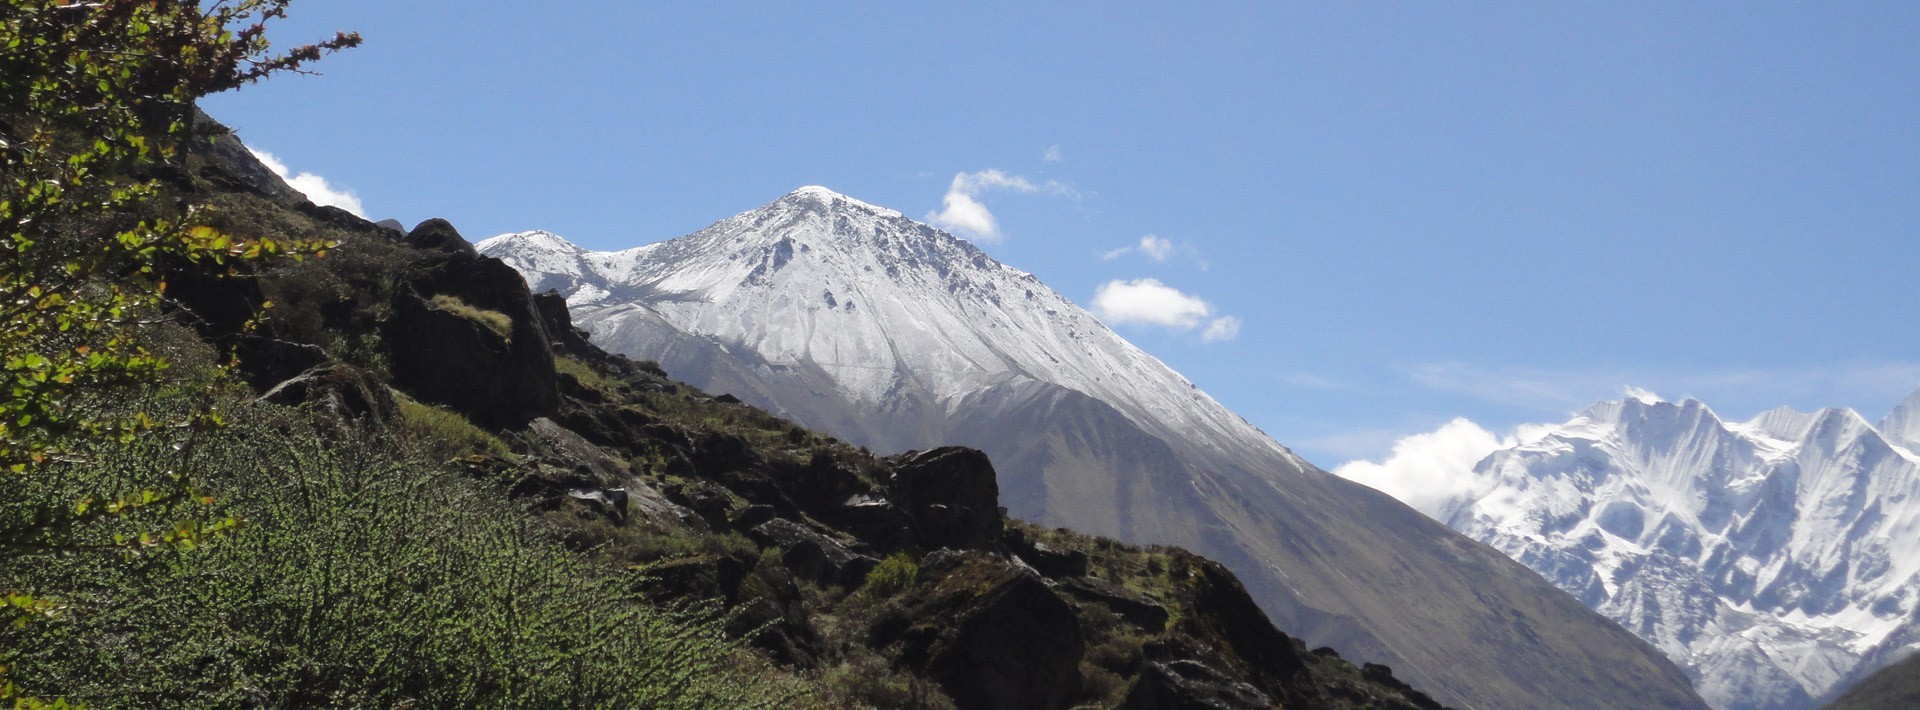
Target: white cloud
1434 472
1222 328
1053 154
1149 302
961 212
1156 248
316 188
965 215
1153 247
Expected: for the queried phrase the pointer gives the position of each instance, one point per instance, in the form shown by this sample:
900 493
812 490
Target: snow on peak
878 302
826 197
1902 425
537 239
1771 558
1783 423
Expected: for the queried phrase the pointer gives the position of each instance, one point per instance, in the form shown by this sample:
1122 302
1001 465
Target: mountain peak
826 198
1902 425
541 238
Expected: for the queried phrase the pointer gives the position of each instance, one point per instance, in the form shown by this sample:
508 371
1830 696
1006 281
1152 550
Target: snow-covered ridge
887 302
1775 559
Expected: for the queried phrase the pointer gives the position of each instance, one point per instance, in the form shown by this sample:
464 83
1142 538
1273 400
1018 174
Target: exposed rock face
952 492
445 356
990 633
1191 685
635 497
813 555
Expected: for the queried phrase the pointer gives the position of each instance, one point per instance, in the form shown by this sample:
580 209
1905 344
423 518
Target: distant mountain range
1776 559
858 321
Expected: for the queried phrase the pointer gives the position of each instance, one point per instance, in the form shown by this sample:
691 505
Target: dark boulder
1383 676
952 495
558 322
1133 606
1224 610
439 235
1191 685
344 391
752 516
989 632
464 333
1055 563
874 519
447 358
812 555
716 453
231 166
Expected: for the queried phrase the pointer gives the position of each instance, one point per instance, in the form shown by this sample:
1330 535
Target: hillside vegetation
386 474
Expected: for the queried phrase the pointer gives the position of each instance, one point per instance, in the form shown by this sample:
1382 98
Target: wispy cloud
1219 329
316 188
962 212
1155 248
1053 154
1149 302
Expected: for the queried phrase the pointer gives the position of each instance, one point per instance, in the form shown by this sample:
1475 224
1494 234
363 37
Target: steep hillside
860 322
1773 558
1894 687
592 494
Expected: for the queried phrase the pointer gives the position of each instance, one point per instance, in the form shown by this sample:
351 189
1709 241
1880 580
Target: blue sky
1412 212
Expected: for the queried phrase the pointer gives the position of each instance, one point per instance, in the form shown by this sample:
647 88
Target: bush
893 575
362 576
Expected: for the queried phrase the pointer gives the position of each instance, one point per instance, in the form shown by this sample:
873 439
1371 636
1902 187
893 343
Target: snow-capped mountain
819 280
1776 559
858 321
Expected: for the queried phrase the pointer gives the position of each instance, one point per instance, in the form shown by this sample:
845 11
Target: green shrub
893 575
363 576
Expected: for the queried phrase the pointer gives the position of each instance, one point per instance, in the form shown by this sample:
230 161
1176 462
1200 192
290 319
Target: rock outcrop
465 334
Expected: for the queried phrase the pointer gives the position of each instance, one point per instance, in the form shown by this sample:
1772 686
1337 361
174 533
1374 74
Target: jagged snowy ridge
1776 559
